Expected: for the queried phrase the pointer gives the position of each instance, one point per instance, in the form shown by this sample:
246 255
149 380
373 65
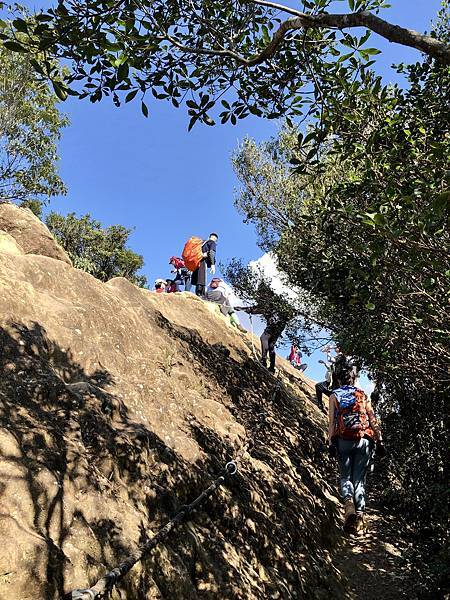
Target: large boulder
30 232
118 405
8 244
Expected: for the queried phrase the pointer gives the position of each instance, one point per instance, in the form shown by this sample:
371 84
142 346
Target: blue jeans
354 458
186 281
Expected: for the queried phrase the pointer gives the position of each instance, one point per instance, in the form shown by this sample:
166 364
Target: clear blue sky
169 184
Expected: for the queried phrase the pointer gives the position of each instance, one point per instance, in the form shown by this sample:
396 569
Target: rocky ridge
117 406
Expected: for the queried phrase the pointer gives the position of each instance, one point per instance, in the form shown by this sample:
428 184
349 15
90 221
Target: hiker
295 358
275 325
333 362
160 286
324 387
170 286
375 396
208 260
183 275
219 293
353 431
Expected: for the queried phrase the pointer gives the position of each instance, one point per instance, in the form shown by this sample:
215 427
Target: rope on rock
108 581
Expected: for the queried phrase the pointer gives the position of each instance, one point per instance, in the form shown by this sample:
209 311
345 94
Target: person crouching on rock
183 276
171 286
160 286
217 292
352 433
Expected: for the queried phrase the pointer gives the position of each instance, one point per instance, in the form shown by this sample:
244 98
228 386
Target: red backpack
352 419
192 253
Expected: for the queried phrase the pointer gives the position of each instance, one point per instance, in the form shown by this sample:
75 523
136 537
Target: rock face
29 232
117 406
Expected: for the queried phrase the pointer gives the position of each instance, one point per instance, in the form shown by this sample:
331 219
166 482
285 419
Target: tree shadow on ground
60 436
273 517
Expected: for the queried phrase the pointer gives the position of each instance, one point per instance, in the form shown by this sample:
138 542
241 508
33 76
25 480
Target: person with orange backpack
198 256
353 431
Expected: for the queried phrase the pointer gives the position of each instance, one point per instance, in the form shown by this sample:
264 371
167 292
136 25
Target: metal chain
108 581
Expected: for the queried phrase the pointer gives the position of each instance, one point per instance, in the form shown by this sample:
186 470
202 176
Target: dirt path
373 562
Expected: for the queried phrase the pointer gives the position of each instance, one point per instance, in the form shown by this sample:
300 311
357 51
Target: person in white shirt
220 293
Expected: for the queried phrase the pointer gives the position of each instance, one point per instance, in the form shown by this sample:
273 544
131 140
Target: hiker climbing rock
275 325
295 358
352 433
183 275
324 387
198 256
273 331
219 293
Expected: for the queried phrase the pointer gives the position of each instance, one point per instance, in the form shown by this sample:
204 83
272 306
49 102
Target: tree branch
393 33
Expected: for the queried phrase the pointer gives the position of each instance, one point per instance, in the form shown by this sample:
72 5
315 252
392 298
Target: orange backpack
351 413
192 253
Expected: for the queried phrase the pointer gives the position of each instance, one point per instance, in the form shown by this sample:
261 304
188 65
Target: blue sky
151 174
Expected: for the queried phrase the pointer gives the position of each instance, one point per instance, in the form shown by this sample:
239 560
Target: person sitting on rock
171 286
160 286
353 431
219 293
295 358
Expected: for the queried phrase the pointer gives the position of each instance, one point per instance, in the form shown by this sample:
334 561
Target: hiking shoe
349 516
360 524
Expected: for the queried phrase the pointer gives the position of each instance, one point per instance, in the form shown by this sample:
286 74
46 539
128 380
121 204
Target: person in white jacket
220 293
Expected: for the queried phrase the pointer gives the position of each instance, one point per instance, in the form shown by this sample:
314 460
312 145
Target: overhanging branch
393 33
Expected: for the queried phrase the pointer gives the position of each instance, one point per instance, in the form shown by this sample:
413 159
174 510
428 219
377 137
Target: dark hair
214 234
344 372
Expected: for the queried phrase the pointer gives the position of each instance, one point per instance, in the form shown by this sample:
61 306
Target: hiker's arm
251 310
331 405
373 421
210 252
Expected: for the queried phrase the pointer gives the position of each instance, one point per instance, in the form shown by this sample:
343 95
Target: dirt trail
373 562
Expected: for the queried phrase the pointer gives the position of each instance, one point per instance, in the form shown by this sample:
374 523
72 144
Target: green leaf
122 71
372 51
144 109
370 306
15 46
60 91
20 25
441 203
192 122
130 95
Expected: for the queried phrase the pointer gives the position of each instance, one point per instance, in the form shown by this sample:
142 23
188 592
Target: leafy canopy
362 224
30 128
251 56
274 303
102 252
